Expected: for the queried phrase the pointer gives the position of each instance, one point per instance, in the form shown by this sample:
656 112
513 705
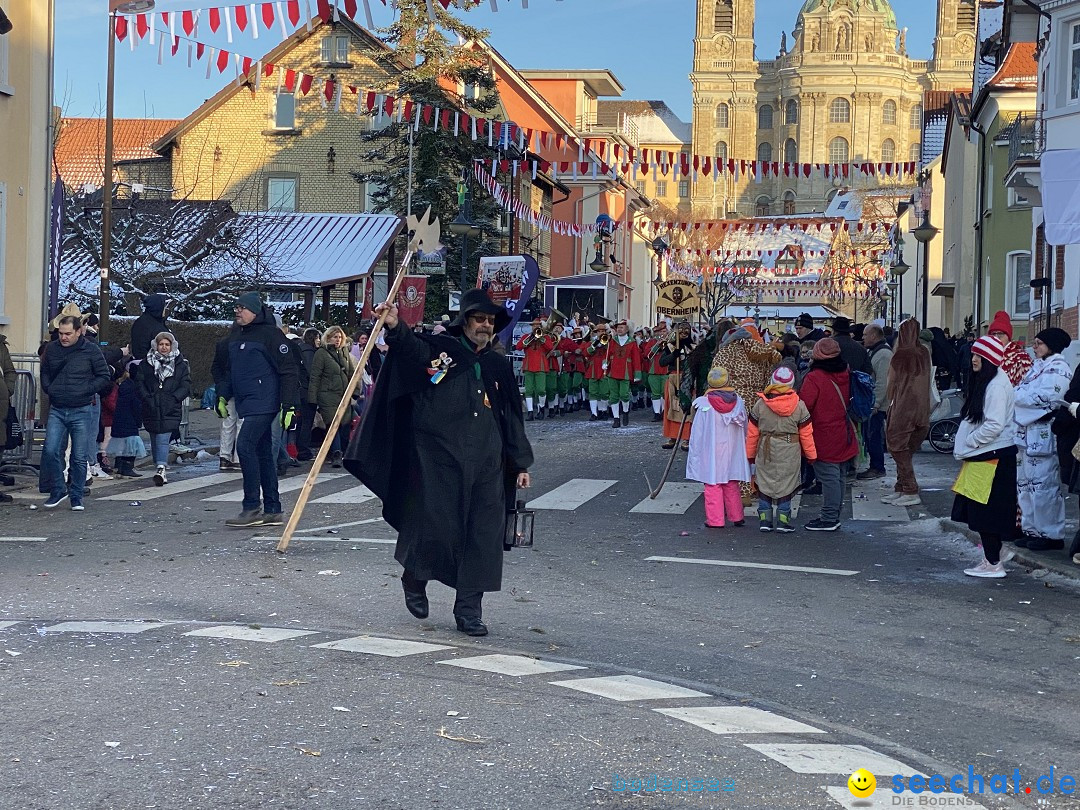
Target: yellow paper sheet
975 480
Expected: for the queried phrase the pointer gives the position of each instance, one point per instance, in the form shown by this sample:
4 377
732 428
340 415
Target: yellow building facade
842 89
26 125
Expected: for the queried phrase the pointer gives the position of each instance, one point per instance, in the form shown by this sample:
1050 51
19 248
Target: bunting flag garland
596 158
521 210
772 226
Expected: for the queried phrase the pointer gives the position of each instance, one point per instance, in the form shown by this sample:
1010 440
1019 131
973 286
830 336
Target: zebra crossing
792 744
339 488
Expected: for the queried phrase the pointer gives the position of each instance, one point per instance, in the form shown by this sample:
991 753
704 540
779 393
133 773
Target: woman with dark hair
310 343
987 433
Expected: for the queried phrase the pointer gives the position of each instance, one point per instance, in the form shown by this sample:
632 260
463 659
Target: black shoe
820 525
626 419
739 523
668 444
540 415
869 475
1021 540
616 422
304 456
529 416
471 626
1045 544
282 470
416 601
658 417
335 458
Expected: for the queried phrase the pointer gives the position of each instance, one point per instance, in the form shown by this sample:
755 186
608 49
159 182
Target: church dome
857 6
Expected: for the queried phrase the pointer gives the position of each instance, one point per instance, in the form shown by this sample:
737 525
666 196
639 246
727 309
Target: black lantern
519 528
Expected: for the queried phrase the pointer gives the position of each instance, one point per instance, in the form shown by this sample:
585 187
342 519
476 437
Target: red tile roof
1019 68
80 147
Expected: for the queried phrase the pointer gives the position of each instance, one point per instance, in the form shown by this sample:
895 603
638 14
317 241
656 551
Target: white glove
1072 408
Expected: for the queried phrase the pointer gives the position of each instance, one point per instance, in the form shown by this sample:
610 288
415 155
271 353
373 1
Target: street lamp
923 235
900 267
891 296
659 247
115 7
463 226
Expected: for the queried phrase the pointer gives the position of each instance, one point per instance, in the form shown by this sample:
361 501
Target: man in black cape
443 445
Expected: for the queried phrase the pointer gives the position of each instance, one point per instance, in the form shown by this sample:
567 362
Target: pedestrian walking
260 374
108 410
1038 397
152 322
986 441
443 445
225 407
312 340
164 381
331 370
827 392
717 455
879 356
909 380
125 443
73 373
780 435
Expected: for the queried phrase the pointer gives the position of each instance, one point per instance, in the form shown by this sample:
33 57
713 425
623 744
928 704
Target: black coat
147 326
163 400
444 457
855 355
72 375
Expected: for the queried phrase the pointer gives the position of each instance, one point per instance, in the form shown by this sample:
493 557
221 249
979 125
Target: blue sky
648 44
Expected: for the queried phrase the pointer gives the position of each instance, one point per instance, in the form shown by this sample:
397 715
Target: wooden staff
667 469
423 233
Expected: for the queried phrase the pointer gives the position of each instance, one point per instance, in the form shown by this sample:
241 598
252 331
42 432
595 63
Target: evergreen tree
440 69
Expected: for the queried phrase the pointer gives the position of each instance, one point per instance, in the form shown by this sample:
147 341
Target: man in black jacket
150 323
854 355
805 329
260 373
73 372
443 445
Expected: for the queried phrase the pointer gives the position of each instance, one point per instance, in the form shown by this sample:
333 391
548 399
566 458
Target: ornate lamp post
924 234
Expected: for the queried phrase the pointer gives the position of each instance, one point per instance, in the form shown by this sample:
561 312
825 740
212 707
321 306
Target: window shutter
1040 257
1059 267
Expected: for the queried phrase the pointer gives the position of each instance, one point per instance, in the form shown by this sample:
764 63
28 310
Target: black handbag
14 436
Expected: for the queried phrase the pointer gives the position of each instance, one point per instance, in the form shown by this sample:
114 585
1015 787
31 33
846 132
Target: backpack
861 403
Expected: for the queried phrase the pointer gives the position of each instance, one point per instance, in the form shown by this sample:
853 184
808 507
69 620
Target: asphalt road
888 646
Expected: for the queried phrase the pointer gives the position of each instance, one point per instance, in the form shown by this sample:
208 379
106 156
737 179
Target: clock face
725 46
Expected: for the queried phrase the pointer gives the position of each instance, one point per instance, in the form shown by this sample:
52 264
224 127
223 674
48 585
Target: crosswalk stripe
571 495
673 499
353 495
266 635
515 665
739 720
23 539
821 758
389 647
102 627
628 687
289 485
172 488
5 625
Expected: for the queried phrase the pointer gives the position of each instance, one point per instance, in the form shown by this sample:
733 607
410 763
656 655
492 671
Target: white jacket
998 428
1043 386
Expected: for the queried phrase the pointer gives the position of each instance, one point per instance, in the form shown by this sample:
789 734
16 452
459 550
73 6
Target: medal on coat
439 366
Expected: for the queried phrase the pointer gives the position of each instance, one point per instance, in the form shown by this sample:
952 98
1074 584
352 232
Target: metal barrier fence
24 400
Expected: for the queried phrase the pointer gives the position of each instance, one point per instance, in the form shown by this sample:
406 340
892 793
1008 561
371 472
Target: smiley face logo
862 783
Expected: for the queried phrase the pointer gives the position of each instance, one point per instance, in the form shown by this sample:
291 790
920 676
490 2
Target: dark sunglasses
482 318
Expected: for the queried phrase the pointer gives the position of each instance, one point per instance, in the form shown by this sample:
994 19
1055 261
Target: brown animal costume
908 395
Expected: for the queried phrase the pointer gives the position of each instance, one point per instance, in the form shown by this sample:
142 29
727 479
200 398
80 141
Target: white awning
1061 196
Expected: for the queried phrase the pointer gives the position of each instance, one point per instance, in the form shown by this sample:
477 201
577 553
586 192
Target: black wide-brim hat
477 300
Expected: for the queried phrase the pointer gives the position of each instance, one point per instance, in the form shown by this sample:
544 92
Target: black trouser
991 544
466 605
303 436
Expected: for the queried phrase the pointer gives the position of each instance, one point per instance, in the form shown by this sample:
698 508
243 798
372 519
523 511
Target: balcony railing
1027 137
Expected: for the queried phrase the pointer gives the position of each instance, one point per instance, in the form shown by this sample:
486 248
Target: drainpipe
979 225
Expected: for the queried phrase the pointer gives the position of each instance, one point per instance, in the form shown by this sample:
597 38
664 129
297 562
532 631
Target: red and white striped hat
989 349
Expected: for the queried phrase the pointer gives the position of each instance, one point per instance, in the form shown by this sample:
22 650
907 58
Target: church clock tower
954 45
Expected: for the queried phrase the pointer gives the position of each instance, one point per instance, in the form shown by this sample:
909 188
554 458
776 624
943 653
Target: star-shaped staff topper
424 234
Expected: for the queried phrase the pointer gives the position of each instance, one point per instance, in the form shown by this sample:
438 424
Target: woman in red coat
826 391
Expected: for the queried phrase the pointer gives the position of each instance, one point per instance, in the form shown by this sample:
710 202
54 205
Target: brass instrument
655 350
538 333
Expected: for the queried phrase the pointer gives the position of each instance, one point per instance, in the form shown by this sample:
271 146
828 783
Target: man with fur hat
622 366
443 445
536 345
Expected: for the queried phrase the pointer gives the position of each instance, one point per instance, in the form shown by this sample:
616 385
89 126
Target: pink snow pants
721 498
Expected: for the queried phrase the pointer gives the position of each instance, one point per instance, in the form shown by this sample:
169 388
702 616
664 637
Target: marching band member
536 345
556 379
573 354
622 367
655 371
598 382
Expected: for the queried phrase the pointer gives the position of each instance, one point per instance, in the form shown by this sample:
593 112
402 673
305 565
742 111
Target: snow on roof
933 142
990 24
320 249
